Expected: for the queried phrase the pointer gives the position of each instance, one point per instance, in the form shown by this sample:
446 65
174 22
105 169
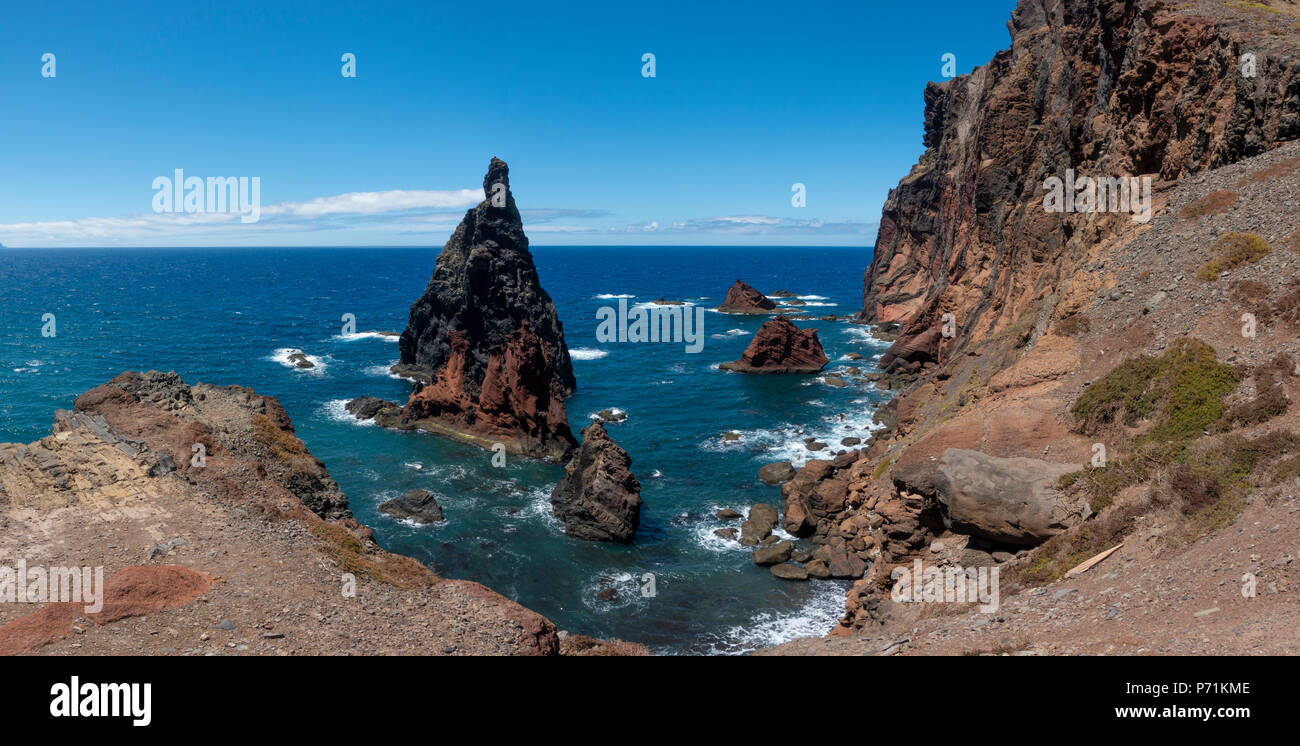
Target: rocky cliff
1082 386
1103 88
484 343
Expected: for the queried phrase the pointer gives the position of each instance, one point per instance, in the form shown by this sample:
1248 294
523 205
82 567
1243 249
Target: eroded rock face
598 498
1006 500
742 298
484 341
781 347
1104 88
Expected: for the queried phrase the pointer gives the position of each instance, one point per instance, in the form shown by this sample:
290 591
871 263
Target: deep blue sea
229 316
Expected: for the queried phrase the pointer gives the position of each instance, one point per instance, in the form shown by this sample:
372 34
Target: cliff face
1108 89
1014 321
484 340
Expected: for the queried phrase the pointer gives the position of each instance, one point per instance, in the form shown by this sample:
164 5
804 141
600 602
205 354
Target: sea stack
484 344
598 498
781 347
742 298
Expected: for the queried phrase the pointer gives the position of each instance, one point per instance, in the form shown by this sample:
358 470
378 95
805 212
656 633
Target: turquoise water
227 316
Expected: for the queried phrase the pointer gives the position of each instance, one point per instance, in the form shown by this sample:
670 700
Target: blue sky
748 99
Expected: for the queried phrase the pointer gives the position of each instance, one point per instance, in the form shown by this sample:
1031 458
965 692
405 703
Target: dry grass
1275 171
1233 250
1214 203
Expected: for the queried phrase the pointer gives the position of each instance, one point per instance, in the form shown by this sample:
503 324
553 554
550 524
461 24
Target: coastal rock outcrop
781 347
254 524
484 343
742 298
416 505
598 498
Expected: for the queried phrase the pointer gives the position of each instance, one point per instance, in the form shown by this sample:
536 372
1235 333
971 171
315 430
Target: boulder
1006 500
776 473
790 571
762 519
774 554
598 498
367 407
417 505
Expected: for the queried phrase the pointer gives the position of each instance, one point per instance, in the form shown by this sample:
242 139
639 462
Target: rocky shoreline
221 534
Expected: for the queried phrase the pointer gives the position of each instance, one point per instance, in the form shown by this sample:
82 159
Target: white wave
730 333
539 506
652 304
785 441
414 465
815 618
702 531
626 585
812 297
385 336
385 370
336 409
587 353
281 356
612 296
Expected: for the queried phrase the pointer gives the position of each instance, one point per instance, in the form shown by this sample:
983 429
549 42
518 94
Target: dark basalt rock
598 498
484 342
416 505
368 407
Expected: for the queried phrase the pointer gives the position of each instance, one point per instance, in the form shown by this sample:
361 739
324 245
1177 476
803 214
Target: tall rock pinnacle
484 342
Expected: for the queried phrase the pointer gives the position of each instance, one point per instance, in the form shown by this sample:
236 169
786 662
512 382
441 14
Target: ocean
232 316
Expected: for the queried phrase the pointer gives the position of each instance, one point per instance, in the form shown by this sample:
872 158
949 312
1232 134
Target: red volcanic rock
742 298
133 591
1104 88
518 404
484 340
781 347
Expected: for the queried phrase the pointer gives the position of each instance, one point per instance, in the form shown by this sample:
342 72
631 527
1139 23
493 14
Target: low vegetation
1231 251
1196 480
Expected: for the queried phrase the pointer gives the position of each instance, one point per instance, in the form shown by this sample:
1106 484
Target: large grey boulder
1008 500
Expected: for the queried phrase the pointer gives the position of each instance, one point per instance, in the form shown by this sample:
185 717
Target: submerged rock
598 498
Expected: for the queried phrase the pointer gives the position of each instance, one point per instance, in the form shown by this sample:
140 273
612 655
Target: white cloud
406 210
